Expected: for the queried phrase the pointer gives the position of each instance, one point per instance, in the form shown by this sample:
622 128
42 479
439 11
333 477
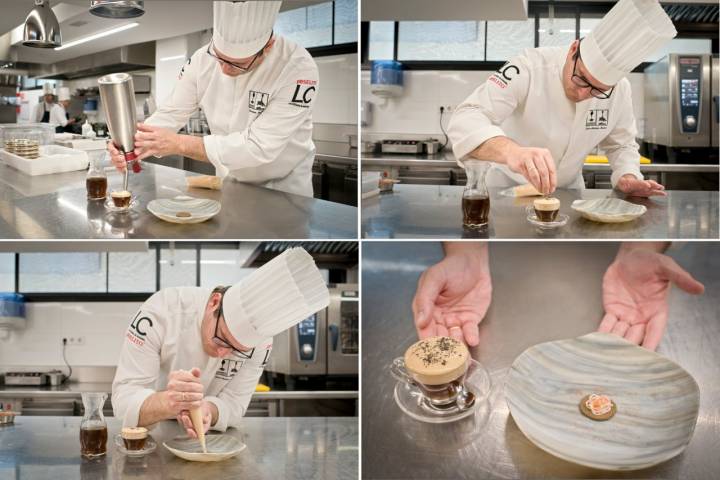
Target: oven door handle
334 334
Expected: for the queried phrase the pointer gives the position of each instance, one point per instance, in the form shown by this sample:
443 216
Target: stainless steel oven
325 343
678 101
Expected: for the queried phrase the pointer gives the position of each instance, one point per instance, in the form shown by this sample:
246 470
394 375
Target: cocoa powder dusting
437 351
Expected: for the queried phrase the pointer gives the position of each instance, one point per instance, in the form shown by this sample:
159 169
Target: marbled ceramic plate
184 209
657 402
219 447
608 210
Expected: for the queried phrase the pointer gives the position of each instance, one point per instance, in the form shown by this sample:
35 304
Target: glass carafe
475 198
96 181
93 429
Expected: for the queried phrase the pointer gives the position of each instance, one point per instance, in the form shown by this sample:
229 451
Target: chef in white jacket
257 90
42 109
58 113
192 347
544 111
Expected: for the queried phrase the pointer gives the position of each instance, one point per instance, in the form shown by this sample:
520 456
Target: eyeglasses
583 82
242 68
217 339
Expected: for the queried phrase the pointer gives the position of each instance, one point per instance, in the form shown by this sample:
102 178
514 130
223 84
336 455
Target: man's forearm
192 147
154 409
658 247
453 248
496 149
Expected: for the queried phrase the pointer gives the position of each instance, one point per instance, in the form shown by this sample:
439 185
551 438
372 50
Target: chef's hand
453 295
184 391
536 165
155 141
635 291
186 422
116 157
633 186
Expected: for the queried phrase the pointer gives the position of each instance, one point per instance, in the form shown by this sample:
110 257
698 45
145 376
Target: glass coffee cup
546 208
437 366
121 198
134 438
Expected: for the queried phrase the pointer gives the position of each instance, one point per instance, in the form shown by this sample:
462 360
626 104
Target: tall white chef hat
629 32
241 29
63 94
276 296
48 89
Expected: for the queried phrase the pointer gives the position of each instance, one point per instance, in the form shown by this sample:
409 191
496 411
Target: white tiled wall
416 111
102 324
337 97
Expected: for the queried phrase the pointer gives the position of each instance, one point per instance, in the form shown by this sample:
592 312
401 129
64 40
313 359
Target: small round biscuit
601 417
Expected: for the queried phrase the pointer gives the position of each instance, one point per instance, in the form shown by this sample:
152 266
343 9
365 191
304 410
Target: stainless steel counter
55 207
76 389
434 211
336 152
541 292
37 448
447 160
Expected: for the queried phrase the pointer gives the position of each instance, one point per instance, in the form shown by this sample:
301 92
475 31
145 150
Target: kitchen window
486 45
560 32
322 27
221 266
132 272
7 272
178 266
382 41
441 41
63 272
507 39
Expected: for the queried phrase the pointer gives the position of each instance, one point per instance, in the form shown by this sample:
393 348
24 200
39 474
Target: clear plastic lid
43 133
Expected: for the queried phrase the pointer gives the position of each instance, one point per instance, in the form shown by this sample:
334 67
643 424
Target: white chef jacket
58 115
165 336
261 121
40 110
525 101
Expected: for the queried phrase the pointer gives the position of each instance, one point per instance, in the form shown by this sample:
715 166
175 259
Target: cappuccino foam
437 360
546 204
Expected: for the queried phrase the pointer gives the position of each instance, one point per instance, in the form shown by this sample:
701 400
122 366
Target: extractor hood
122 59
446 10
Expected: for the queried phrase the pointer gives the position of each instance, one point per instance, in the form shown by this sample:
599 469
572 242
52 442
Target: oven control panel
690 81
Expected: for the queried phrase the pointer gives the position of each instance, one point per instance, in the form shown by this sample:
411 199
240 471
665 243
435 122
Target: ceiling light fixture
42 29
117 8
174 57
95 36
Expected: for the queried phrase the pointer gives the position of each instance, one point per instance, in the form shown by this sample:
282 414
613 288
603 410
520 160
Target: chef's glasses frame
217 339
582 82
235 65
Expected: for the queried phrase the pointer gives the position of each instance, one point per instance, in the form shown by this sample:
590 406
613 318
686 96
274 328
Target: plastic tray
53 159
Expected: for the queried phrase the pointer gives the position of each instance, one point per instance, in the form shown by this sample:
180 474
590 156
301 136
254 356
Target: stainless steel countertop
434 211
541 292
37 448
55 207
336 153
76 389
447 160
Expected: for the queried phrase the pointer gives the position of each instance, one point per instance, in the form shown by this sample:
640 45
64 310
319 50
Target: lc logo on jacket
139 329
304 93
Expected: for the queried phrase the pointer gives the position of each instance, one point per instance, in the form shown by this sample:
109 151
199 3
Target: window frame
333 48
536 10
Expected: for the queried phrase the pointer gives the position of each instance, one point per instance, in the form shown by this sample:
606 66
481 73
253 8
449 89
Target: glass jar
93 428
96 181
475 198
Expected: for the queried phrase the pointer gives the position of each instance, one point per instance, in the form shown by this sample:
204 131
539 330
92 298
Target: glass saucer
561 220
413 403
150 447
110 206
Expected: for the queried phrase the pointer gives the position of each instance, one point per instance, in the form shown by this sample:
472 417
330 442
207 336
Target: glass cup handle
397 370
